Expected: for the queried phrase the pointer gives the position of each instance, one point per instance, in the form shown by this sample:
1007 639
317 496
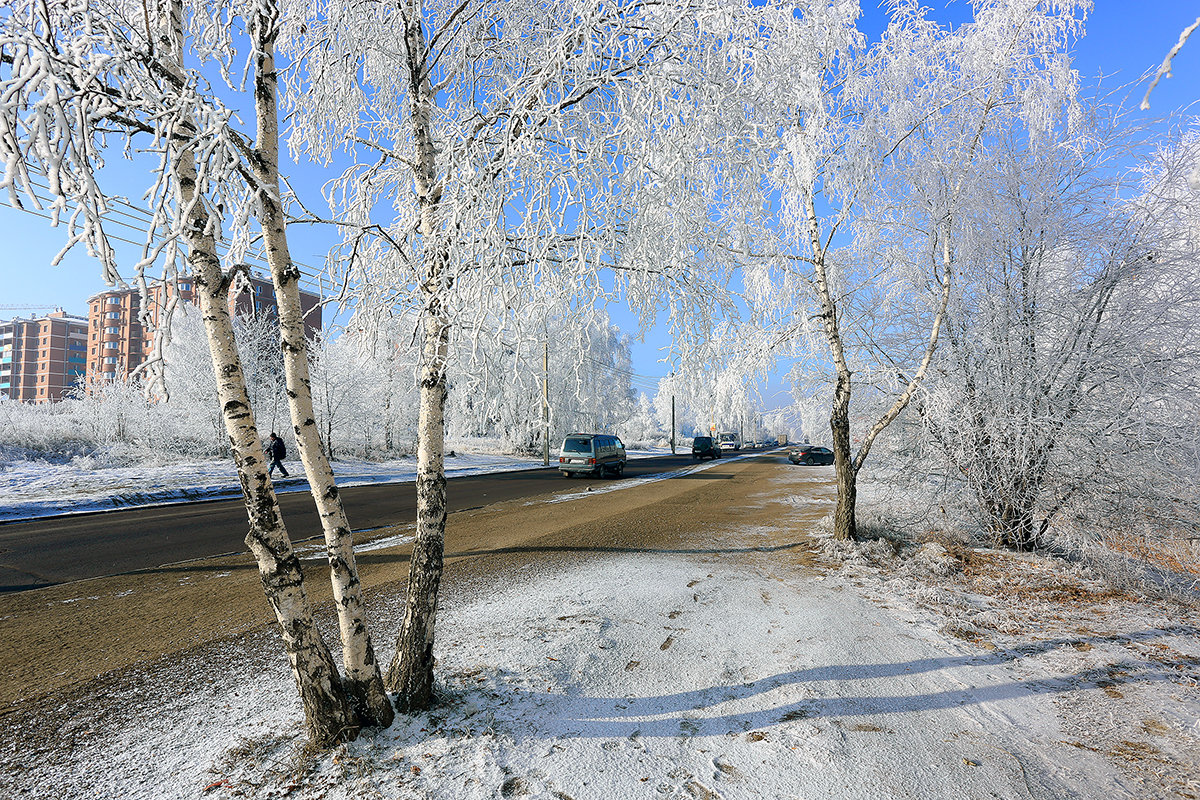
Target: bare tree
363 678
1069 379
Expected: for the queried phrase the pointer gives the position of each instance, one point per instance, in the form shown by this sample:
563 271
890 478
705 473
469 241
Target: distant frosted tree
345 389
641 425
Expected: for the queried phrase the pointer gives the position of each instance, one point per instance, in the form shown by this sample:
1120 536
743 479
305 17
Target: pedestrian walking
277 452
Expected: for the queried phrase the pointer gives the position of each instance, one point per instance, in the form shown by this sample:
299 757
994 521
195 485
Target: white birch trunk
845 466
328 716
410 674
363 679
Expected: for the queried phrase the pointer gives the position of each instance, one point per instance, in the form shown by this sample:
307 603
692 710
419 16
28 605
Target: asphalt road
57 550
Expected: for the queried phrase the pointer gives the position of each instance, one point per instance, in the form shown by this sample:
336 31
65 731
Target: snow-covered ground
31 489
689 677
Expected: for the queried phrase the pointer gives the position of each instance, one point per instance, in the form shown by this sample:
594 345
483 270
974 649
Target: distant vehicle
705 447
729 441
809 455
591 454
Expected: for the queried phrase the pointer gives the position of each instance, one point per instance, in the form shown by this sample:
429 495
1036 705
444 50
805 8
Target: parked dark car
808 455
705 447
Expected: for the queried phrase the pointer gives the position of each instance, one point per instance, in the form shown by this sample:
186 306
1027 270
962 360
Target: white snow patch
34 489
37 489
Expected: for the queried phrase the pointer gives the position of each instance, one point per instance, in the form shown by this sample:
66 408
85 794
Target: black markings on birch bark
363 681
327 714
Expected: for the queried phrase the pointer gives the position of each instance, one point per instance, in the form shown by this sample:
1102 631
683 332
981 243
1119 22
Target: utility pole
672 424
546 403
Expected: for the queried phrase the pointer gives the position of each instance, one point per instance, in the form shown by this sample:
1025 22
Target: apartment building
41 358
118 343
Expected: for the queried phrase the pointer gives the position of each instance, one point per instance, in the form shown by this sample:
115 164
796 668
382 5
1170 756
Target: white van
729 441
591 454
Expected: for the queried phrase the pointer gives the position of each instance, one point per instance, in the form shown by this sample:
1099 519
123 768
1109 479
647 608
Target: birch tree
851 130
363 678
506 146
83 81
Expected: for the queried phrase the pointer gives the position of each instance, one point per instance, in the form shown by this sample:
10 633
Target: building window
111 345
110 359
112 299
113 315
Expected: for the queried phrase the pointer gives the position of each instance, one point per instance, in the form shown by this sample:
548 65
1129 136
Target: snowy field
34 489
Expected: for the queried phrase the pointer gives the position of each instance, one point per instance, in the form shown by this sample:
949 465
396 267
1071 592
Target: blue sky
1124 39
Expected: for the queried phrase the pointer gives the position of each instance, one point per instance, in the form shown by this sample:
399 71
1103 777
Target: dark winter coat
277 450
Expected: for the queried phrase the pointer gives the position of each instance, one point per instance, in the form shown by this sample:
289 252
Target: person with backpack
277 452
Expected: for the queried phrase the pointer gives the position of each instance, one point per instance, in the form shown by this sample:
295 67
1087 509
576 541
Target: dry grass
1171 554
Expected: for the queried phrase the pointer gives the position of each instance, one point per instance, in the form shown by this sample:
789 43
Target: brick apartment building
118 343
43 357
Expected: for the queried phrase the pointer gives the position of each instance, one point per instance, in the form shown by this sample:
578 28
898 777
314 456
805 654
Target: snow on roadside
687 678
1130 663
935 672
638 676
34 489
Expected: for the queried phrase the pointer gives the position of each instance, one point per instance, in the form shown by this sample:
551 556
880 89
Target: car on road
705 447
591 454
729 440
808 455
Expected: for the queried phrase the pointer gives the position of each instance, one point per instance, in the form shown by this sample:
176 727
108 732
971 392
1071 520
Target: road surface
57 550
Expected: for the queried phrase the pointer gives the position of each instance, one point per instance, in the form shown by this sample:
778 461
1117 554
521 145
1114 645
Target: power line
143 216
651 381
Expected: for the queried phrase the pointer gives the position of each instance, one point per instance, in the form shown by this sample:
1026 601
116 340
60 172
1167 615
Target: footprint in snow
723 769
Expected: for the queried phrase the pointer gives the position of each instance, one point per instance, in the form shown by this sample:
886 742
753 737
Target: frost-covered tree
83 81
258 346
641 426
346 392
848 130
503 151
1069 375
